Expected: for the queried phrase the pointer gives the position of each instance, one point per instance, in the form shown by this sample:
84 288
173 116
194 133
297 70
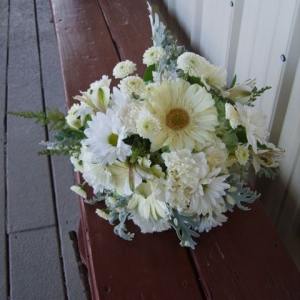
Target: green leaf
233 82
148 73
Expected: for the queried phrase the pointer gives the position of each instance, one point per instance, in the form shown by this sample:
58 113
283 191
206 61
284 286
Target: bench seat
243 259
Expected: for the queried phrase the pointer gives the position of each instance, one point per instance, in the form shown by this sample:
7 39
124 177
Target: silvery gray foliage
164 39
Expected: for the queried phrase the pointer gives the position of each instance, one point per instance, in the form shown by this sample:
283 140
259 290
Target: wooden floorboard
3 60
40 209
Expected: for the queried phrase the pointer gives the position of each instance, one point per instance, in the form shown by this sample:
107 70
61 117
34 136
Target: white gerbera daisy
153 55
132 85
186 113
105 137
254 122
124 68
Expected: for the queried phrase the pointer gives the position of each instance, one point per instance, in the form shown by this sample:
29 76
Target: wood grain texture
244 259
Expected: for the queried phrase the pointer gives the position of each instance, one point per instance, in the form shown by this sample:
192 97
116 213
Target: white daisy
124 68
254 122
153 55
186 113
213 219
97 176
105 137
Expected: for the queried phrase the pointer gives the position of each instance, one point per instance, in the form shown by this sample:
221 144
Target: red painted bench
243 259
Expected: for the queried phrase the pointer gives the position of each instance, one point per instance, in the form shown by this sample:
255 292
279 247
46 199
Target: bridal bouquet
169 150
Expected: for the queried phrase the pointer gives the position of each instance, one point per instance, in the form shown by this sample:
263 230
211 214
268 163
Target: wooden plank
63 176
3 68
147 267
244 259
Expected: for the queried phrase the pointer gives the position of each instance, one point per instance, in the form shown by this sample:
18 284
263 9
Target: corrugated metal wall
255 39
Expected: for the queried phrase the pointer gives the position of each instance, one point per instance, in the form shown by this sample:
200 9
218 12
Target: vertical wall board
264 36
215 31
196 24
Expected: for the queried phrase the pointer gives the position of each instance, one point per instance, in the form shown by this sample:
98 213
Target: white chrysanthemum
209 194
98 177
78 190
184 169
132 84
147 206
186 113
147 125
148 90
254 122
124 178
127 109
153 55
191 63
105 137
124 68
242 154
73 119
216 154
232 115
159 77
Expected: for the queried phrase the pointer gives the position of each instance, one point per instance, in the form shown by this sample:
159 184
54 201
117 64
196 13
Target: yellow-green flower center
113 139
177 119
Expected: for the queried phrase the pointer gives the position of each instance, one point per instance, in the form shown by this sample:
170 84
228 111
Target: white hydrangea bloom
124 68
132 84
254 122
153 55
105 137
